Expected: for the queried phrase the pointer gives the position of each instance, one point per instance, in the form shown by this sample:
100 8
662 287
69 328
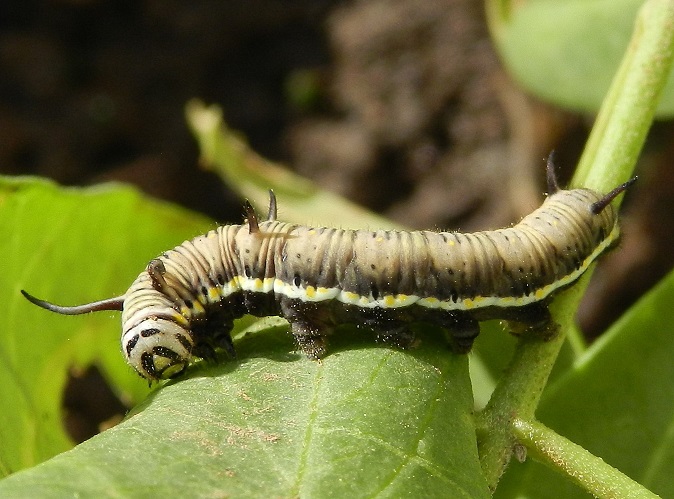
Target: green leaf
617 402
568 51
365 421
269 423
70 246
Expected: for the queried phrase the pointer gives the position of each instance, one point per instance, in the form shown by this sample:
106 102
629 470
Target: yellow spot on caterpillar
160 362
430 302
379 239
312 232
213 294
196 309
389 301
310 291
468 303
451 242
180 318
403 300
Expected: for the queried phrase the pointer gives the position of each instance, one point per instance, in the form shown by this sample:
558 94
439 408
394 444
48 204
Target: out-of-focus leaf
567 51
68 246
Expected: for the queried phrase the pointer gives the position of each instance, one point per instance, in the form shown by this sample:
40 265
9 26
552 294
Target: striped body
183 305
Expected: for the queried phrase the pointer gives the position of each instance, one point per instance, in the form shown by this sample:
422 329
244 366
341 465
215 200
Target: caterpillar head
157 348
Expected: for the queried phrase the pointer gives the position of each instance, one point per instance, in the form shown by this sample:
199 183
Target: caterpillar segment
183 304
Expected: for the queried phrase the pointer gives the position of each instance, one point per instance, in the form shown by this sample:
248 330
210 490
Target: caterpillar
182 306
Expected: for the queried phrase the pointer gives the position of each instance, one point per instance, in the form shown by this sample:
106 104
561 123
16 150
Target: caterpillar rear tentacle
182 306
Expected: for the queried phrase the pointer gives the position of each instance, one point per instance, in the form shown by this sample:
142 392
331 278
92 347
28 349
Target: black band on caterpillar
184 303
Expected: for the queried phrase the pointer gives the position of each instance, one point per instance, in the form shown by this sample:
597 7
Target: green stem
587 470
609 159
516 395
627 112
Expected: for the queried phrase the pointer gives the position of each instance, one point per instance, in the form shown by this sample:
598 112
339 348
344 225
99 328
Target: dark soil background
401 105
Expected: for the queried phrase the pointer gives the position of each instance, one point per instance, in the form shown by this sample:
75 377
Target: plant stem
587 470
609 159
516 395
627 112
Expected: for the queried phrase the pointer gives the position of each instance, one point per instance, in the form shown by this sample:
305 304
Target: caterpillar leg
224 340
462 328
211 334
390 328
534 319
400 337
205 346
310 325
311 340
205 351
545 331
463 335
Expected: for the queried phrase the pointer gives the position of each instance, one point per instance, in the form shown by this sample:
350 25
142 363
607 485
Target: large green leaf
365 421
567 51
617 402
377 416
69 246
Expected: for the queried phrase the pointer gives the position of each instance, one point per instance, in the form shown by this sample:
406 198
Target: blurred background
403 106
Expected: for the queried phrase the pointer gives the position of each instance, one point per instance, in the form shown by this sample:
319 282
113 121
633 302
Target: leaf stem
516 395
584 468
